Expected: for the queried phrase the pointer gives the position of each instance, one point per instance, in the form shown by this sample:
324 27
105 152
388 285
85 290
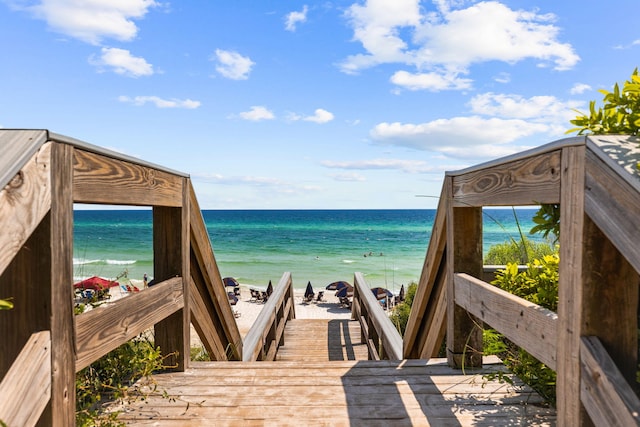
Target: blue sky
311 105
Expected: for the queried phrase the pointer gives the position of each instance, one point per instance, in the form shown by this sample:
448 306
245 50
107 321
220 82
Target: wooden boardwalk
338 393
317 340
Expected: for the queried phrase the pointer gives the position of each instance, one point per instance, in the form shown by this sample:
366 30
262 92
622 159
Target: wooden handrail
26 388
267 331
105 328
382 337
598 190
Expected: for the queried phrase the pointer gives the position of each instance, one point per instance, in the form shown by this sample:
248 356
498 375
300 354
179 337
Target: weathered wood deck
338 393
317 340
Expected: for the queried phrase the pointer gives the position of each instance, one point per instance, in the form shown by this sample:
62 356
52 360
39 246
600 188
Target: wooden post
464 255
610 300
63 384
171 258
570 290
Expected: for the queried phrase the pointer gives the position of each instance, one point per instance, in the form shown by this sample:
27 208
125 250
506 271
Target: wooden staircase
317 340
337 393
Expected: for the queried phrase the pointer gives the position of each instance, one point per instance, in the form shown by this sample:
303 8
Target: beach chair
264 296
320 296
255 295
233 300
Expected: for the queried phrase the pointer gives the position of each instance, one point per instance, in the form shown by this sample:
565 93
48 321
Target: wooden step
322 340
341 393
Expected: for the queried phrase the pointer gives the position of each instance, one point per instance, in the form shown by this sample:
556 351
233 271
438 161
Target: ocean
257 246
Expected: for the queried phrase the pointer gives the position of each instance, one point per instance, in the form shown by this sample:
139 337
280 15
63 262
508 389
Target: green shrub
114 378
538 284
400 314
519 252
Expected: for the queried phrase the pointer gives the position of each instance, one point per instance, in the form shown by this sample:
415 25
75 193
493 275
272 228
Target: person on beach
144 280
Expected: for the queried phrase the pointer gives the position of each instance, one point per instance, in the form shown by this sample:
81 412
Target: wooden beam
528 181
606 395
105 180
105 328
63 396
172 333
24 202
570 297
210 285
464 255
524 323
613 204
26 389
419 326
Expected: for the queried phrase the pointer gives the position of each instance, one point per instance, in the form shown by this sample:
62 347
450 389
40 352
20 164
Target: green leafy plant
115 378
516 251
400 314
619 115
6 304
538 284
547 220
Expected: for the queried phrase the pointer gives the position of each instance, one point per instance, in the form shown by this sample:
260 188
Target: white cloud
537 108
232 65
462 137
294 18
257 113
348 177
159 102
448 41
408 166
429 81
122 62
579 88
95 20
320 116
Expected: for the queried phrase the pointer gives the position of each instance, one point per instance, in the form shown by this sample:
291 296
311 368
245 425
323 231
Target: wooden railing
591 342
267 332
382 337
42 176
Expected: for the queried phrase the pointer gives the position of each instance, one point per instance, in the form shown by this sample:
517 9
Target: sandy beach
328 308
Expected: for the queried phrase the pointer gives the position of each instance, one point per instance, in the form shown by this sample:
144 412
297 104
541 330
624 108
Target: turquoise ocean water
256 246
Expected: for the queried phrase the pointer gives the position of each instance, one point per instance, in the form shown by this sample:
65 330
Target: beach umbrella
345 291
96 283
381 293
401 294
230 281
269 288
337 285
308 293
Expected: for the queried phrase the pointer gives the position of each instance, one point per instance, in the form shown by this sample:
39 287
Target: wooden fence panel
104 180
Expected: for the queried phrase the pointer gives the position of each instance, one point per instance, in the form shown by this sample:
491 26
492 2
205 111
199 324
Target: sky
311 105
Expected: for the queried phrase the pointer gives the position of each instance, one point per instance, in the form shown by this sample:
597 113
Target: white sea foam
120 262
82 261
348 261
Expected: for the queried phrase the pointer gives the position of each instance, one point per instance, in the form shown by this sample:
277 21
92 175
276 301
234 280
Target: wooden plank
26 389
606 394
204 265
104 180
389 335
529 181
608 280
17 148
63 396
207 331
171 259
526 324
105 328
570 411
436 320
427 295
464 255
255 339
613 204
24 202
